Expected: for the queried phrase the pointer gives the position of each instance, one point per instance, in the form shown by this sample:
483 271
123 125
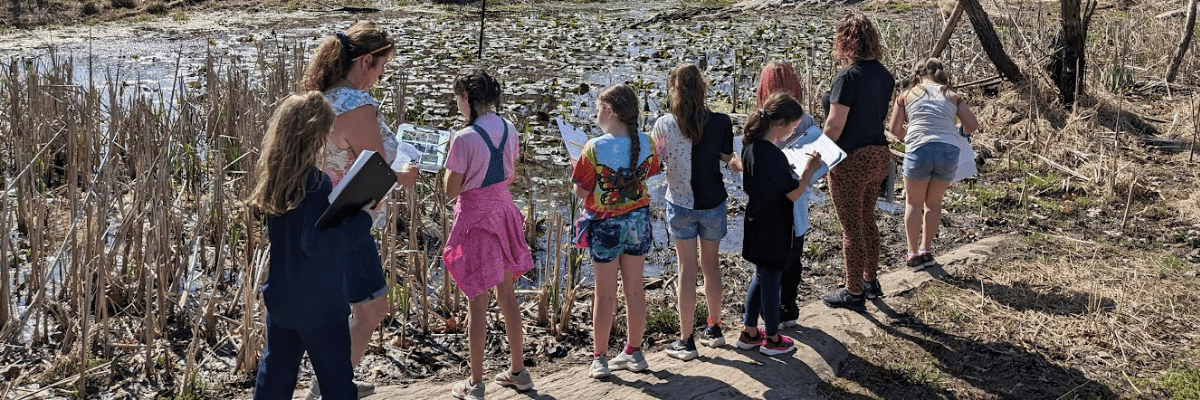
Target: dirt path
729 372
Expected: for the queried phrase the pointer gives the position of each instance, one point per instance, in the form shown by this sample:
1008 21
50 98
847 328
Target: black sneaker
872 290
788 316
712 336
845 299
915 262
927 260
683 349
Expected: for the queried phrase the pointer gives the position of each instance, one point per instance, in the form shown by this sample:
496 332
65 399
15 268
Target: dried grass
1093 307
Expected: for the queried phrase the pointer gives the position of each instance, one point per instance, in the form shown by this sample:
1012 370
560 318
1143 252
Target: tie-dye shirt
603 169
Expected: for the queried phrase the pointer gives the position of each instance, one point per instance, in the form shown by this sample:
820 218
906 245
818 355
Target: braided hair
481 90
624 103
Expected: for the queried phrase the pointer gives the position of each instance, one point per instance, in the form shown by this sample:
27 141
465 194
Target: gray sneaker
521 380
634 362
364 389
465 390
683 349
599 368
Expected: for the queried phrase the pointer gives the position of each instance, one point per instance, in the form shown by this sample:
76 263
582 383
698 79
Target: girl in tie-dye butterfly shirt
603 170
610 176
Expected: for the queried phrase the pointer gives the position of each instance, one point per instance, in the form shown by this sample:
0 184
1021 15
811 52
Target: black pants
790 282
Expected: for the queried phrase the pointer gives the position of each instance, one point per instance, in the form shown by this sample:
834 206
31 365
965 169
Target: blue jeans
685 223
763 297
327 342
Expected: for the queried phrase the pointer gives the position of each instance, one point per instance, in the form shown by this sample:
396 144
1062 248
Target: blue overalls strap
495 171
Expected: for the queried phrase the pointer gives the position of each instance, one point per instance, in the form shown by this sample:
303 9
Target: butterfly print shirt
603 169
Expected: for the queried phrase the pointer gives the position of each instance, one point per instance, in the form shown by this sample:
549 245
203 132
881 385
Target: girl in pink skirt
486 247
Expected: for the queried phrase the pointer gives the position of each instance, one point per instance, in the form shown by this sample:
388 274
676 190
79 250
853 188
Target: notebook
366 183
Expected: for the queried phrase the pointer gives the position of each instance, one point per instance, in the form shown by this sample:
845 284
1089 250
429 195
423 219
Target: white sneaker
634 362
599 368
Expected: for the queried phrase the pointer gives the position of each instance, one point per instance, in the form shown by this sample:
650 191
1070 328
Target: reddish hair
776 77
856 40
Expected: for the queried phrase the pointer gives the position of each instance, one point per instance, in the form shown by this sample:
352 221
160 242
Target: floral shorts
627 233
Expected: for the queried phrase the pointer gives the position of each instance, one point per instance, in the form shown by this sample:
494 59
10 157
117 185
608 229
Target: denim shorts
685 224
933 160
627 233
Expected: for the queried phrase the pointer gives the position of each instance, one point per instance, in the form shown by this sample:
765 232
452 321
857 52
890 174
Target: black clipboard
366 183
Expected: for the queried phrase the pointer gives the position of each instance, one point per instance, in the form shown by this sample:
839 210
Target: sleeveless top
335 161
931 118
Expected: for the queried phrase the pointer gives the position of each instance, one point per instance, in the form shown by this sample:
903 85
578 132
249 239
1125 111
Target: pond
552 62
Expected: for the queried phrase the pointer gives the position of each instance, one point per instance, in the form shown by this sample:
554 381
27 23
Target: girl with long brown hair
610 176
693 141
304 291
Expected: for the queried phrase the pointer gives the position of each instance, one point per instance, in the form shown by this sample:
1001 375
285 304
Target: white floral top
337 161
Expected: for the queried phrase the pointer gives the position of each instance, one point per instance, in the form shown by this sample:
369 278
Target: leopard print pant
854 185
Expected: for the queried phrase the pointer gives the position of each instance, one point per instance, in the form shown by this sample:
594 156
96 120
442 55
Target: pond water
552 62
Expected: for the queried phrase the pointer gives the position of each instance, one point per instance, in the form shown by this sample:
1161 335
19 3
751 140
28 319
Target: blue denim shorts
933 160
627 233
684 223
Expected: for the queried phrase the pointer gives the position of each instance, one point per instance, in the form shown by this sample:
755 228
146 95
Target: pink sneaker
771 347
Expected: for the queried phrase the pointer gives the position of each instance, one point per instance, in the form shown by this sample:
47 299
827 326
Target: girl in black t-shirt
771 188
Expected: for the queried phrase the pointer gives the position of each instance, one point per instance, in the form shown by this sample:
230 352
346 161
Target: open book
366 183
422 145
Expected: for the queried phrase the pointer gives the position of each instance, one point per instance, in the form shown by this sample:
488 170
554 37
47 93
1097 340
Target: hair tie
762 113
345 41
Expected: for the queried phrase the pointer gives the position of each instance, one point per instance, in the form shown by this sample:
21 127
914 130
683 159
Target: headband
352 55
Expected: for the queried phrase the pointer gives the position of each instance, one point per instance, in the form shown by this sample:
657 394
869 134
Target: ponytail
933 69
780 107
336 53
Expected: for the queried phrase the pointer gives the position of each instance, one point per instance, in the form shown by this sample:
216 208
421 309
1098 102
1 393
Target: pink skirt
487 240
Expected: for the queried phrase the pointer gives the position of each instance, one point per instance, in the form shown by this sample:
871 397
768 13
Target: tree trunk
1188 28
1067 66
991 43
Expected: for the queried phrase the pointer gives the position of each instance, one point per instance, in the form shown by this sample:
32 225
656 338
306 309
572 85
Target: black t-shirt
866 87
767 179
708 186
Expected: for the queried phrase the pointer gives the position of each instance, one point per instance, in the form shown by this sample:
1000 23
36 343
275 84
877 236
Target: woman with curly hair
857 105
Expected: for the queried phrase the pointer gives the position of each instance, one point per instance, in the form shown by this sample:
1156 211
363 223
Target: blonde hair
337 52
295 137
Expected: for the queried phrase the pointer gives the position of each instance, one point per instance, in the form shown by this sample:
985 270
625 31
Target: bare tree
991 43
1188 28
1068 64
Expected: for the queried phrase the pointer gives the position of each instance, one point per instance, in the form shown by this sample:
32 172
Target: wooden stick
948 31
